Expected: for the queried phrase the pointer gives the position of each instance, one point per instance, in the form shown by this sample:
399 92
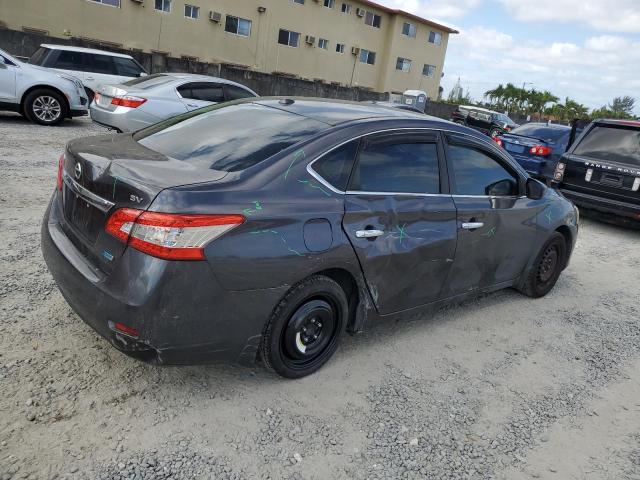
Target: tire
305 328
45 107
547 268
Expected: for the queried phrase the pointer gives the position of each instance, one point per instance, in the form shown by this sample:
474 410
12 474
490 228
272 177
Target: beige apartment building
352 42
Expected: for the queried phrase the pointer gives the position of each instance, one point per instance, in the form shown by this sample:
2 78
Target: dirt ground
500 387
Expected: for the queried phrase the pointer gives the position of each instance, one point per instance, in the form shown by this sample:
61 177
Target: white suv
93 67
44 96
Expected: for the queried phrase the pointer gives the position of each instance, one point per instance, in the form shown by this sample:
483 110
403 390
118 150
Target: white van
93 67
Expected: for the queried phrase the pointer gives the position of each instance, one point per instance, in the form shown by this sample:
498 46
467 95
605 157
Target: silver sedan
141 102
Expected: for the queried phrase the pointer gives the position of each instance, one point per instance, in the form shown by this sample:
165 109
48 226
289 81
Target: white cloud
604 15
432 9
592 72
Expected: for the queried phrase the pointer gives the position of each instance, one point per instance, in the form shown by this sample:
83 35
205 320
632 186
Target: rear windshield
611 143
150 81
541 132
228 137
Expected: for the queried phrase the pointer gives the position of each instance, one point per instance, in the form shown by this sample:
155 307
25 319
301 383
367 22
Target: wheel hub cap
309 330
548 264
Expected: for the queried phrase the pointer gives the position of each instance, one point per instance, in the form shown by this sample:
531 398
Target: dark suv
601 171
486 121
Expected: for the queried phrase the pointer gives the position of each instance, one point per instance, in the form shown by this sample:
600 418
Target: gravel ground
499 387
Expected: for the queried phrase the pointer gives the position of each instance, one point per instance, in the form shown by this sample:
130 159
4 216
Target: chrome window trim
320 179
88 196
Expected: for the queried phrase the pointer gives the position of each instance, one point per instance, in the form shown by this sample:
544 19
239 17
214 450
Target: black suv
601 171
486 121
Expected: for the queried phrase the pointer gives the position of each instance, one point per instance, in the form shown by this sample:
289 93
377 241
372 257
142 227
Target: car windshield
503 118
542 132
150 81
228 137
38 57
612 143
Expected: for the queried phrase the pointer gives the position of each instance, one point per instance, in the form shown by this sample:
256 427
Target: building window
346 8
435 38
367 57
323 43
301 2
409 29
403 64
329 3
340 47
163 5
239 26
111 3
372 19
285 37
429 70
191 12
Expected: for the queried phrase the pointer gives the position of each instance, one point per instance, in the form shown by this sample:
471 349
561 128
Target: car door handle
472 225
369 233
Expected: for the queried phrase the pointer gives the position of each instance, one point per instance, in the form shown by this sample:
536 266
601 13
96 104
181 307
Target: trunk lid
102 174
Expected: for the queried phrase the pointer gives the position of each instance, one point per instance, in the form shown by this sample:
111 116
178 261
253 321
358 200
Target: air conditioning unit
360 12
310 40
215 16
355 50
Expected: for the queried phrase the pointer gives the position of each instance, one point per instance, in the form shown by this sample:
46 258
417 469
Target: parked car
537 147
601 171
93 67
43 96
144 101
486 121
270 226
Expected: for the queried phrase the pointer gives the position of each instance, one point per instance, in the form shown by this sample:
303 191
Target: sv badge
135 198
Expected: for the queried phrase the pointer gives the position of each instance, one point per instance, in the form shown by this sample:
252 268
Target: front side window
435 38
329 3
191 12
239 26
477 173
163 5
403 64
340 47
234 147
611 143
346 8
428 70
286 37
323 43
409 29
372 19
367 57
335 167
111 3
127 67
401 167
69 60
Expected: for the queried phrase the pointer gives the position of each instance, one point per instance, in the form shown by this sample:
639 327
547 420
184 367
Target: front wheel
46 107
547 267
304 330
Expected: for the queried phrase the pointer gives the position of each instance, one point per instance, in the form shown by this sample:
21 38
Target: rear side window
236 93
245 134
397 166
102 64
68 60
126 67
611 143
478 174
335 167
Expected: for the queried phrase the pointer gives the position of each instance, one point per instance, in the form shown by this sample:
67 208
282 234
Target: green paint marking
403 232
313 185
284 240
490 233
296 252
296 156
548 215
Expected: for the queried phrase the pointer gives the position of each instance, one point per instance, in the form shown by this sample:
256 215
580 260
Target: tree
620 108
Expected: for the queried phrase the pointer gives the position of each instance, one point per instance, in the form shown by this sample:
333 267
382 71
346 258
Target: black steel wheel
547 268
305 328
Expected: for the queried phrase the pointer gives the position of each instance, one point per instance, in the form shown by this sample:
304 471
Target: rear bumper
603 205
122 118
180 310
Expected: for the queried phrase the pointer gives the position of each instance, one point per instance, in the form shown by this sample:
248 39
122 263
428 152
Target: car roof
627 123
555 126
335 112
193 77
84 50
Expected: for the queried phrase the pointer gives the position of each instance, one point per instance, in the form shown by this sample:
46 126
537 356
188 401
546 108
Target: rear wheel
547 267
46 107
305 328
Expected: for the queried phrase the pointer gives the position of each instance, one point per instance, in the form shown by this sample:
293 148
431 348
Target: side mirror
503 188
535 189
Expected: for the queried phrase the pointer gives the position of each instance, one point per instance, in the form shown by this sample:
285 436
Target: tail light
126 329
128 101
169 236
558 174
60 171
498 141
540 151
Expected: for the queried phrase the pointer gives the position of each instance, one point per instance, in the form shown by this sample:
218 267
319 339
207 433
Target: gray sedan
141 102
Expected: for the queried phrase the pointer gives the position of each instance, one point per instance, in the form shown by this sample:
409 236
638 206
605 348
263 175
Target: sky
588 50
